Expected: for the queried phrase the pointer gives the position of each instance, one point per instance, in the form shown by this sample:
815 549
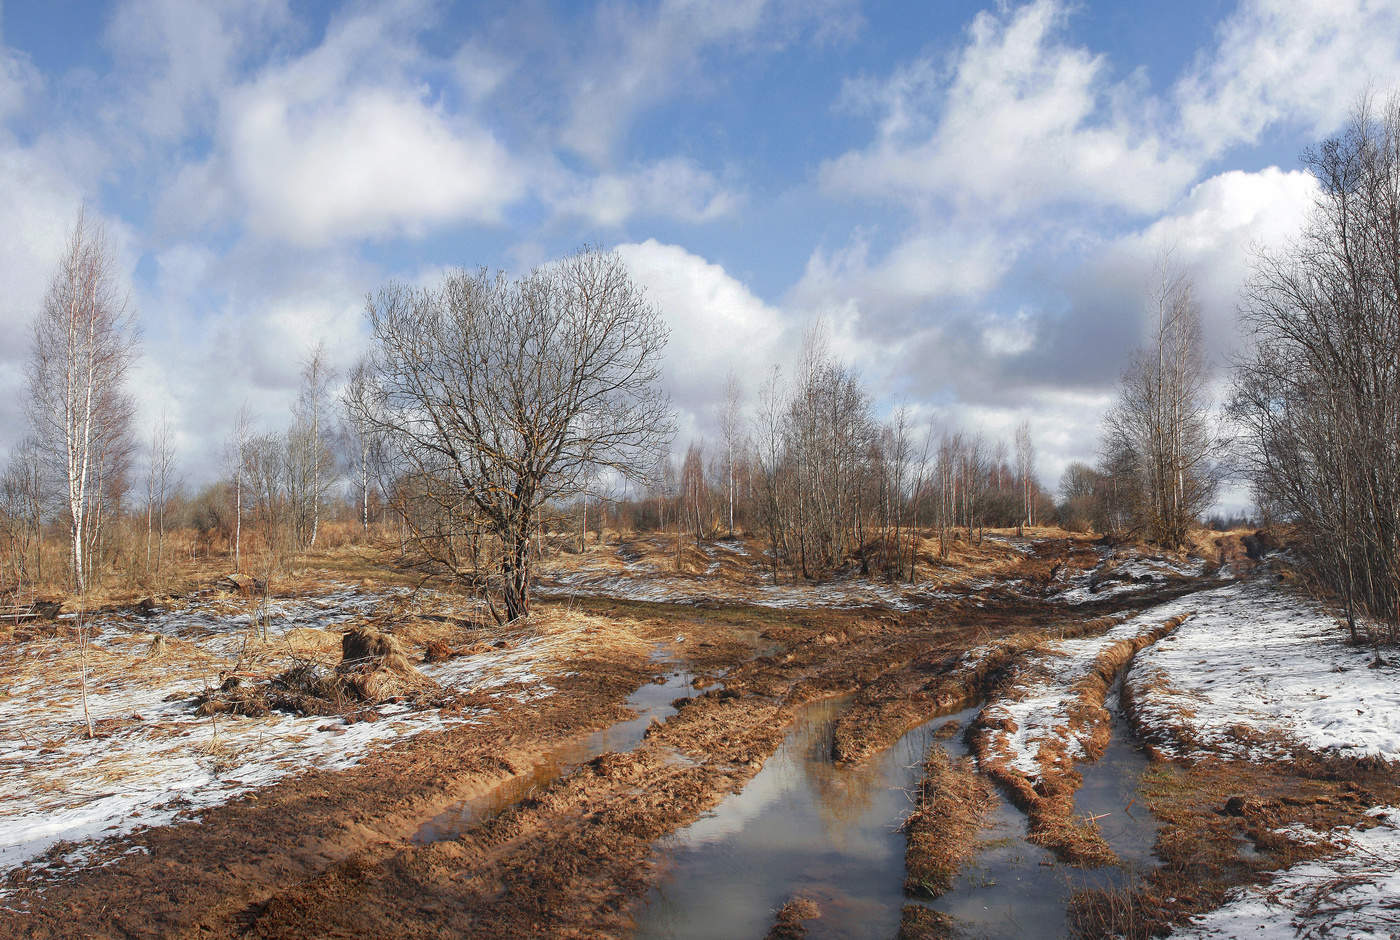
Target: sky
971 198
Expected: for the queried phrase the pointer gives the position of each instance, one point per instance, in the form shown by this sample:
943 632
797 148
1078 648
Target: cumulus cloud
1025 120
363 162
923 266
1282 62
717 324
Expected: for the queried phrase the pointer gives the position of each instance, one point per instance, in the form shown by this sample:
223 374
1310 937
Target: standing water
1015 888
807 827
651 702
804 826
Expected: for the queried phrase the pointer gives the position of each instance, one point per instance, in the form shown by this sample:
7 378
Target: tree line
489 408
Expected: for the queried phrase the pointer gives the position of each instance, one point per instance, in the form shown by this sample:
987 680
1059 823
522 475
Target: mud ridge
1049 801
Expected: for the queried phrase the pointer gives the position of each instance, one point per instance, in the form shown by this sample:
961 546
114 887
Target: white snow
1352 894
1260 657
1044 690
845 592
1126 572
57 785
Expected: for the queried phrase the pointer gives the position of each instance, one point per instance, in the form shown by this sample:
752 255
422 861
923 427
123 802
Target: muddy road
732 770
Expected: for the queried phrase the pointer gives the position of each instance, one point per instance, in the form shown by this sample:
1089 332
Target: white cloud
1213 233
674 188
222 330
176 57
923 266
1278 61
1008 336
717 324
1024 121
360 163
345 141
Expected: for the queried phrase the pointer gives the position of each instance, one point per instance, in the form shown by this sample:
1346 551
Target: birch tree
82 344
159 471
1025 471
1161 425
731 429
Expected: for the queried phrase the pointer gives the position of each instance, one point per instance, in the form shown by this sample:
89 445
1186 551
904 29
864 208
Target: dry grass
1049 801
951 801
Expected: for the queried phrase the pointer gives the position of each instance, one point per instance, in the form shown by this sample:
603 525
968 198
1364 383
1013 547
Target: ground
248 778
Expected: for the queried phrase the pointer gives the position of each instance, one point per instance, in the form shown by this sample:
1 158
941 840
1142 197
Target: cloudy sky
972 197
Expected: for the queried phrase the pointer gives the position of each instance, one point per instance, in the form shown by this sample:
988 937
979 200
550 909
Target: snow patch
1261 658
1351 894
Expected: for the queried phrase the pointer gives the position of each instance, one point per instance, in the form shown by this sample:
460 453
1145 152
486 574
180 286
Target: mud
544 818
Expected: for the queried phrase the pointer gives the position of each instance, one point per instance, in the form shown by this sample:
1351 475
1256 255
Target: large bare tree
493 396
82 344
1318 395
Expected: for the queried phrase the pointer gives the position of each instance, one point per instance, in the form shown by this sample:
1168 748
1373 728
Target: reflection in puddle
651 702
1014 888
807 827
803 826
1110 792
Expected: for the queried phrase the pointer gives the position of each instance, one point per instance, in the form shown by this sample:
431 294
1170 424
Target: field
1039 730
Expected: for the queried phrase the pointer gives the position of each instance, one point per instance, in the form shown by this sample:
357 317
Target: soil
332 854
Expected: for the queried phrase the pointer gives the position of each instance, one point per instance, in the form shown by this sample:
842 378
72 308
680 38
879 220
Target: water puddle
651 702
1014 888
1110 789
803 826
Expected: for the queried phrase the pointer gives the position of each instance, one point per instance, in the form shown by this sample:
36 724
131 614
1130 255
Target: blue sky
972 198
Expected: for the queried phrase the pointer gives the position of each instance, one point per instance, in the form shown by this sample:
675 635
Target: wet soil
531 823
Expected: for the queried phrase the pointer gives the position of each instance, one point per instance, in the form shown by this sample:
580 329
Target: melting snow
1261 657
1349 895
1110 578
1044 686
57 785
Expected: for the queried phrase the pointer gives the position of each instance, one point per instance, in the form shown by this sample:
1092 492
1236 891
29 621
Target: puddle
651 702
1109 792
807 827
1011 888
803 826
1014 888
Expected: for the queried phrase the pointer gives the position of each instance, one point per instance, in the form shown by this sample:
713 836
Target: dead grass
1048 800
1220 822
789 923
950 804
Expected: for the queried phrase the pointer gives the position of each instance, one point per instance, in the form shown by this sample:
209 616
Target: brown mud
334 854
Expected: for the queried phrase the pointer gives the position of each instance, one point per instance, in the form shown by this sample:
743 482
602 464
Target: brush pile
374 669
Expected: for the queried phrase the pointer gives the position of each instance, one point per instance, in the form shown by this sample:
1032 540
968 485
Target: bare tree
360 445
264 456
1161 425
496 396
236 460
694 495
731 429
309 460
1318 395
768 456
159 472
21 519
82 344
1025 471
